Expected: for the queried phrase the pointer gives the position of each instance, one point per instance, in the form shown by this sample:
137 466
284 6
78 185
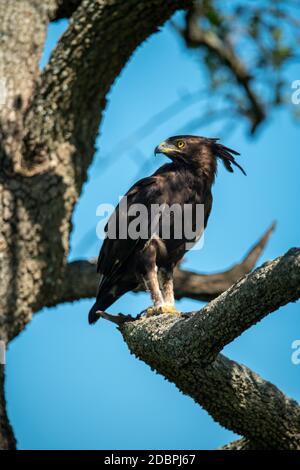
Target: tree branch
239 399
184 350
206 287
195 36
240 444
64 9
203 334
71 96
80 280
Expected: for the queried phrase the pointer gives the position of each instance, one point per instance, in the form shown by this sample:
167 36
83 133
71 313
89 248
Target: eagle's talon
173 310
163 309
169 310
151 311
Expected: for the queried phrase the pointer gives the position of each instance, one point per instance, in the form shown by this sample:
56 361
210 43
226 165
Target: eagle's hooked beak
164 148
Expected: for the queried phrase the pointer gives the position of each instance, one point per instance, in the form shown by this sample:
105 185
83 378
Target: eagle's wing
115 252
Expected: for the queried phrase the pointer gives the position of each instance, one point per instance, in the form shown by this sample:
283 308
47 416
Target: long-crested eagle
124 263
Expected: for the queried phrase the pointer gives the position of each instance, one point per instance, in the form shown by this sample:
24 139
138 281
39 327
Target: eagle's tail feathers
93 315
103 301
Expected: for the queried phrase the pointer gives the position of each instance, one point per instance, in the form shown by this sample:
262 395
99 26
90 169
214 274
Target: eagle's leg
166 285
152 285
149 273
165 276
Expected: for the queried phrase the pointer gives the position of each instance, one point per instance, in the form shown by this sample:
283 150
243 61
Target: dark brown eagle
125 262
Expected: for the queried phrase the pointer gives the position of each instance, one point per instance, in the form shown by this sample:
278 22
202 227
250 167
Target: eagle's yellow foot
169 309
166 309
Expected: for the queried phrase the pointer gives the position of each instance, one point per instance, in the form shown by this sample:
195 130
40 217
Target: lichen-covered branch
185 350
80 280
240 400
208 286
203 334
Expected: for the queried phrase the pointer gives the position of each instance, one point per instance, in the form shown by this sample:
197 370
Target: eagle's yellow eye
180 144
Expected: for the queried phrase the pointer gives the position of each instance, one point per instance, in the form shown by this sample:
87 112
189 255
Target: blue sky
72 386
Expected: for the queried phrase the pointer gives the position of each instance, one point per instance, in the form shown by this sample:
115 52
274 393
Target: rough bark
64 9
240 444
23 30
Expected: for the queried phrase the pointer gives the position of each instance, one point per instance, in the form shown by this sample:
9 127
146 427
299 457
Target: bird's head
198 152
